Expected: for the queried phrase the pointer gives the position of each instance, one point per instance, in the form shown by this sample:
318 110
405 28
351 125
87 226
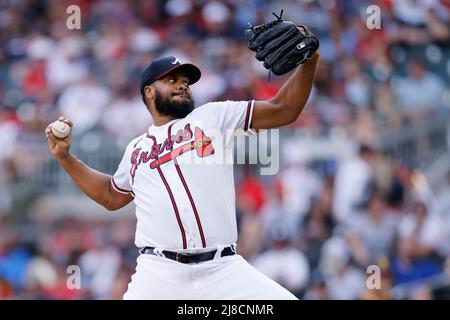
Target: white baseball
60 129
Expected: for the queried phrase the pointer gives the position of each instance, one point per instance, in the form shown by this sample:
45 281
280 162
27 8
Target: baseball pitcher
186 221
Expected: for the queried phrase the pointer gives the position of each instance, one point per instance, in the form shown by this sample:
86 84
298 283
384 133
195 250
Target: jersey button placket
192 238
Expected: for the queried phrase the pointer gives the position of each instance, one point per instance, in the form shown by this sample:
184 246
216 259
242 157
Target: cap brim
192 71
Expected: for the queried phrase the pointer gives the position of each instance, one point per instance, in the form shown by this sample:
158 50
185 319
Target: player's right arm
94 184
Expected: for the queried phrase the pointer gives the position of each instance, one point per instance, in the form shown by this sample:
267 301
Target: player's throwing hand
59 147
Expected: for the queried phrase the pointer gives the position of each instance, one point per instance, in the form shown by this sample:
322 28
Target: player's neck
162 120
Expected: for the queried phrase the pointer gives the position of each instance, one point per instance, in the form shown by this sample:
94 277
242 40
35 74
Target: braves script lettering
201 144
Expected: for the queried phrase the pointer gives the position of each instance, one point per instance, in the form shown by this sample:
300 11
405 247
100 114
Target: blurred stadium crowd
314 227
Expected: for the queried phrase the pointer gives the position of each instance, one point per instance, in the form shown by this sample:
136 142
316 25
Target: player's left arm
288 103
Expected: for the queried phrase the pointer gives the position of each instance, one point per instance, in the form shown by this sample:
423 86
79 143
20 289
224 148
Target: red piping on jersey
247 116
172 199
197 218
180 224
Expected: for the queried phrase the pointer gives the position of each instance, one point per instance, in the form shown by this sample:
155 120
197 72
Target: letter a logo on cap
176 61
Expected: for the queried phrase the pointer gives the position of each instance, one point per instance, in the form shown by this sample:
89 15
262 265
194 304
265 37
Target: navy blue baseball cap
163 66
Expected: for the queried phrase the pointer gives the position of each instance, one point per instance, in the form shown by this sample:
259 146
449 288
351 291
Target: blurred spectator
317 289
5 196
420 92
14 259
9 132
418 19
251 193
423 229
443 199
126 116
100 266
343 281
357 87
409 267
65 65
250 200
250 240
371 232
41 277
317 226
283 263
352 179
84 104
275 214
300 185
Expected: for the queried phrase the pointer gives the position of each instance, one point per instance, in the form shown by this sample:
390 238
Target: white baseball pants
226 278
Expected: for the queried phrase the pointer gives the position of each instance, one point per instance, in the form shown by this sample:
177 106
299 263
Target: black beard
167 107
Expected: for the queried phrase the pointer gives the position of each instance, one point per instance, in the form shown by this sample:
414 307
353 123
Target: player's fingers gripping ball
282 45
60 129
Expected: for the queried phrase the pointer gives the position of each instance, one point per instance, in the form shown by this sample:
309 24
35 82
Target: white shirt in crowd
351 180
288 266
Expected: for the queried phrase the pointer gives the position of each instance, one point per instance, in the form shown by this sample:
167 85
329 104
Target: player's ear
149 92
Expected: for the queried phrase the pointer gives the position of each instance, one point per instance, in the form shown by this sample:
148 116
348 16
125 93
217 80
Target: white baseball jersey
183 189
